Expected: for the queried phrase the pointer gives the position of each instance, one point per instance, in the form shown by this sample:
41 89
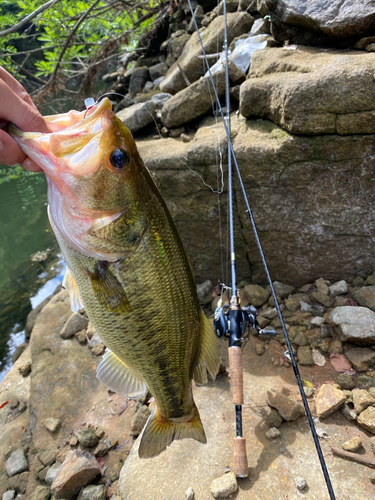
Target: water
24 284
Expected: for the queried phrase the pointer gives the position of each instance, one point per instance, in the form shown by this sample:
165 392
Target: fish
127 267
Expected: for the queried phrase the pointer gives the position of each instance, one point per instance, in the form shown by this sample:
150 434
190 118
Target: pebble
309 391
328 400
288 409
353 445
139 420
224 486
300 483
93 493
73 441
367 419
9 495
52 473
16 463
273 433
52 424
362 399
189 494
74 324
185 138
87 437
98 349
338 288
348 413
259 349
317 321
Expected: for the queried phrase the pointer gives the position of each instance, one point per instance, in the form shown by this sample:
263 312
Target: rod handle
240 465
236 374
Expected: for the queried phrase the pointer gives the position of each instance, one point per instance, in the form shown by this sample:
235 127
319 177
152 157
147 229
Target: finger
17 111
14 85
28 164
10 152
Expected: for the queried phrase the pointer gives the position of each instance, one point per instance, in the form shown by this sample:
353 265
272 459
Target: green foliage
16 172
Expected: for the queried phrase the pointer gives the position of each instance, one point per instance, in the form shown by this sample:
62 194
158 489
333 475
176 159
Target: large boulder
334 23
312 91
137 116
354 324
189 65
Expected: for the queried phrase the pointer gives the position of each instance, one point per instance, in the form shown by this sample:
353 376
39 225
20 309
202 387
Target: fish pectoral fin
108 290
209 355
116 376
70 284
160 432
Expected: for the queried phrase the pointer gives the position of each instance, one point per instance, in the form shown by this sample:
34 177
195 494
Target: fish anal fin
209 355
107 289
118 377
160 432
70 284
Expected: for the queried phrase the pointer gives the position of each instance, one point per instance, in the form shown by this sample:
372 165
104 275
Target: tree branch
28 18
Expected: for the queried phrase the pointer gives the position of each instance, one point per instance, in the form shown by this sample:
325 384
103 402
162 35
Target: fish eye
119 158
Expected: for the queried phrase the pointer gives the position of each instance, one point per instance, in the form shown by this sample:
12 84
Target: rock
90 331
318 358
139 420
354 324
40 493
327 400
314 310
138 78
76 472
288 409
256 295
338 288
259 349
273 433
191 102
372 443
87 437
174 47
367 419
19 350
75 324
292 304
32 316
224 486
270 313
348 413
345 382
317 321
309 391
47 457
98 349
158 70
300 338
362 400
81 337
160 99
282 290
326 331
366 297
185 138
261 26
370 281
316 80
362 358
189 495
137 116
94 340
335 346
271 417
300 483
198 15
16 463
93 492
322 299
305 356
339 25
340 363
203 289
321 286
25 367
9 495
52 424
368 382
52 473
213 37
102 449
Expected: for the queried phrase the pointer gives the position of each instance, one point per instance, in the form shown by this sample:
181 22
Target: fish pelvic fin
209 355
118 377
70 284
160 432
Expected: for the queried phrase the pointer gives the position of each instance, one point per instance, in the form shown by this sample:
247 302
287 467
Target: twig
28 18
354 456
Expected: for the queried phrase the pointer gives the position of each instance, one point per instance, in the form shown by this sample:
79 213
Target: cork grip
240 467
235 367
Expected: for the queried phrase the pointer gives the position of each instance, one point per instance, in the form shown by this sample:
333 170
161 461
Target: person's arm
17 107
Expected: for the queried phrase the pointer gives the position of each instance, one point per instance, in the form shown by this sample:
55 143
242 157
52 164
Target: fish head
91 163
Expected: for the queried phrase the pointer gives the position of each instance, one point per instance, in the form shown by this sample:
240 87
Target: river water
24 283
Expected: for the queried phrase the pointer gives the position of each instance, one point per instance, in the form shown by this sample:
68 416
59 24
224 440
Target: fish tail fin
160 432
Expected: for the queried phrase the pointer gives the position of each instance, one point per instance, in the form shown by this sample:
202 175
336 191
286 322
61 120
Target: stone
318 358
354 324
9 495
213 37
52 424
370 281
19 350
16 463
338 288
313 309
101 449
256 295
261 26
321 286
139 420
40 493
93 492
367 419
185 138
366 381
224 486
309 391
98 349
288 409
327 400
52 473
25 367
198 15
137 116
359 281
338 24
189 495
271 417
176 132
317 321
326 331
81 337
259 349
300 483
362 400
47 457
75 324
236 76
175 46
76 472
160 99
322 298
316 80
32 316
372 391
348 413
300 338
304 356
335 346
158 70
292 304
90 331
94 340
362 358
273 433
138 78
372 443
87 437
345 382
366 297
282 290
270 313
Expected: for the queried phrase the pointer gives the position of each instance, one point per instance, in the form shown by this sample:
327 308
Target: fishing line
294 364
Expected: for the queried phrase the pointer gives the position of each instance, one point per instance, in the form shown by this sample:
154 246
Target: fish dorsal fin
116 376
209 356
108 290
70 284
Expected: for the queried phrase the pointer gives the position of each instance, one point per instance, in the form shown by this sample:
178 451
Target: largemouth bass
127 268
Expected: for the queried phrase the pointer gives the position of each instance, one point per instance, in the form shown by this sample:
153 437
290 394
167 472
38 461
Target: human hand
17 107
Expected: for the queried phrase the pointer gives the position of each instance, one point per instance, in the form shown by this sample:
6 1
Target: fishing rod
234 327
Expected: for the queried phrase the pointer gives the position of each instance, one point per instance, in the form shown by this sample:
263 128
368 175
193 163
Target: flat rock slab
137 116
328 400
354 324
312 91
